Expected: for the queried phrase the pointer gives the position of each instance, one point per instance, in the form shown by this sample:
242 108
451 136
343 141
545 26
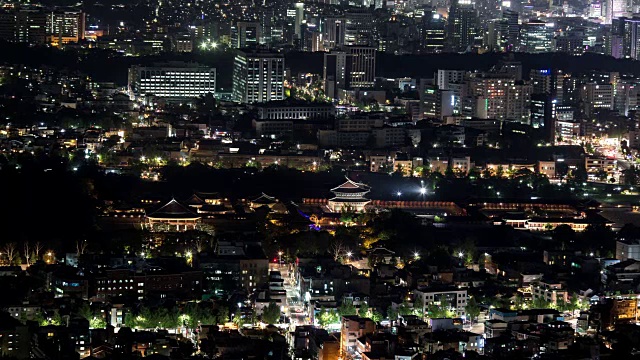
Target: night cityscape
320 180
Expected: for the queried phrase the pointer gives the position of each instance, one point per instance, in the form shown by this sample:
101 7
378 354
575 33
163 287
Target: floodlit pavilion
350 195
173 214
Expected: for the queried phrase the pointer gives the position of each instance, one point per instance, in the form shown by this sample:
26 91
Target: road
295 309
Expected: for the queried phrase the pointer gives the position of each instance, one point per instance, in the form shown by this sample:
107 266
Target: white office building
175 80
258 76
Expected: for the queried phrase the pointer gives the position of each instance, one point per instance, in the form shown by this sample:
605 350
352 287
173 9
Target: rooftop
173 210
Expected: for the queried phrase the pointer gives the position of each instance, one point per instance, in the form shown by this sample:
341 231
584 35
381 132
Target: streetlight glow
423 191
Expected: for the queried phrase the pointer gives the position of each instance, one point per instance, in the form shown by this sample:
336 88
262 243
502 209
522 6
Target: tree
440 309
562 305
81 247
336 249
631 176
348 216
97 322
574 302
37 248
405 308
374 315
222 315
418 306
540 303
326 318
201 244
472 309
11 251
271 313
85 311
392 313
27 253
347 308
518 302
44 320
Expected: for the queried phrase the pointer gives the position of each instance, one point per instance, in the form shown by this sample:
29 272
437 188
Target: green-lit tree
97 322
540 303
440 309
472 309
271 313
518 302
418 306
561 305
405 308
85 311
392 313
326 317
347 308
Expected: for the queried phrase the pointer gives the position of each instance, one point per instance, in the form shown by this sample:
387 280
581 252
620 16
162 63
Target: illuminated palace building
172 215
349 196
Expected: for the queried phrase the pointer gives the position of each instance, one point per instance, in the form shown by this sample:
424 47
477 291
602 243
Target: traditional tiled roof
264 199
194 200
351 186
173 210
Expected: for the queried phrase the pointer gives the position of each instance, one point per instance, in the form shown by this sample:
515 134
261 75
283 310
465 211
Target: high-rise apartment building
333 29
501 97
433 32
351 67
536 37
434 102
299 7
625 96
495 37
628 31
24 26
258 76
358 27
616 9
363 66
246 34
337 66
596 97
445 77
462 25
512 29
543 115
547 81
65 27
173 81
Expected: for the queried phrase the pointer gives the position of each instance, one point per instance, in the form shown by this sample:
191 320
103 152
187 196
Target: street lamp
349 254
279 257
460 254
423 191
